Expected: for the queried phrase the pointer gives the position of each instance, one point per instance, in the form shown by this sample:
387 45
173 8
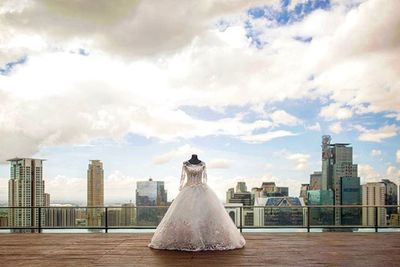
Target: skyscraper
379 193
278 211
229 194
282 191
320 216
60 216
315 180
326 163
390 196
350 195
303 191
339 174
25 189
150 193
95 192
46 200
373 194
128 214
242 198
268 187
241 187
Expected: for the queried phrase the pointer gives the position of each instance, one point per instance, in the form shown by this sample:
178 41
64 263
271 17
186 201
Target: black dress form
194 160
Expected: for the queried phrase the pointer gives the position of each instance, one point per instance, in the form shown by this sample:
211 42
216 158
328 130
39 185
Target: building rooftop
262 249
279 201
340 144
17 159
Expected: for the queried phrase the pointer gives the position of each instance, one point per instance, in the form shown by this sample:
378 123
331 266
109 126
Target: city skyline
250 86
344 151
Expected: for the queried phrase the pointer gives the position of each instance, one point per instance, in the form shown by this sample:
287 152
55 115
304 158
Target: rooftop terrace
275 249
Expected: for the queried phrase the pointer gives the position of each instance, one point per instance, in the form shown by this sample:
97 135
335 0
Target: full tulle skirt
196 221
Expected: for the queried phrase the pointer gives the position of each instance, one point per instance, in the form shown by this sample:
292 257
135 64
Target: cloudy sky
248 85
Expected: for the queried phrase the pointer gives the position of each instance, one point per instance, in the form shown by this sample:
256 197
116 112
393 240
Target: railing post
106 220
376 219
308 219
40 220
241 212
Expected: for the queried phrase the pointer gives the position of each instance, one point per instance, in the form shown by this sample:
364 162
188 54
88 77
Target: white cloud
377 135
119 187
336 127
183 152
300 159
368 174
335 111
123 28
265 137
282 117
140 71
219 164
376 152
315 127
267 166
355 64
64 189
392 172
393 116
398 156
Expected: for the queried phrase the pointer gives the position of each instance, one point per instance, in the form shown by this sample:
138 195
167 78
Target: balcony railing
325 217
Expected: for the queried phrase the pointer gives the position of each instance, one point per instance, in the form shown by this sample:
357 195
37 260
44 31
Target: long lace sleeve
183 176
205 175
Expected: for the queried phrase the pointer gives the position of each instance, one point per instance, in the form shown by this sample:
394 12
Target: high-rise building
379 193
303 191
241 187
373 194
319 215
315 180
122 215
95 193
390 196
268 187
62 216
282 191
326 181
229 194
25 189
46 199
255 191
279 211
394 219
150 193
114 216
338 173
242 198
350 195
128 214
3 218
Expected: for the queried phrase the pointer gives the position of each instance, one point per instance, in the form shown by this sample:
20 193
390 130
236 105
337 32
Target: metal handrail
306 225
239 206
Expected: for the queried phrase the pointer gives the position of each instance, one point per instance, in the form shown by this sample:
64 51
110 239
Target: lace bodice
194 174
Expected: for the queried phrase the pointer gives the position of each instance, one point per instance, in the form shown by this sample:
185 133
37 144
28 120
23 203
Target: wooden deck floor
262 249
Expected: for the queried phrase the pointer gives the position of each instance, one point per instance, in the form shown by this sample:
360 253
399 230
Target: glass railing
246 218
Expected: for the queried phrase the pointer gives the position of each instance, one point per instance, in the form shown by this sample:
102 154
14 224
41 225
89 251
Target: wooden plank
275 249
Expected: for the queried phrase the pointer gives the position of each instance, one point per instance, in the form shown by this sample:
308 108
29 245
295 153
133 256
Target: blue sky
251 88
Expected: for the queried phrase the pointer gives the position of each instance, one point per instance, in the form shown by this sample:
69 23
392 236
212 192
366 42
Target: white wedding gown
196 219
